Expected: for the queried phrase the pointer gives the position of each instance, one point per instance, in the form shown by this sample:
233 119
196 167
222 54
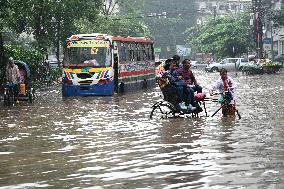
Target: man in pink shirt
187 80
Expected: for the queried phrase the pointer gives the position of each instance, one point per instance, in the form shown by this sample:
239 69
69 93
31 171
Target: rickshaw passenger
187 80
170 70
167 64
167 79
22 73
177 60
13 76
177 85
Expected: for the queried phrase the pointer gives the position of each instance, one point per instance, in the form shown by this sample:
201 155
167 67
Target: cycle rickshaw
26 92
168 106
226 107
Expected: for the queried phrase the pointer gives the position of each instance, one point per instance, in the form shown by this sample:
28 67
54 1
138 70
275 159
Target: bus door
115 67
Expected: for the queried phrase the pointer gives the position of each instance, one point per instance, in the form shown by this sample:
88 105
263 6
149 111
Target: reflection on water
110 142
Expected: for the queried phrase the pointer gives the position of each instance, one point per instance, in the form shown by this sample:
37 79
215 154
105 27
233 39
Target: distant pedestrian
13 76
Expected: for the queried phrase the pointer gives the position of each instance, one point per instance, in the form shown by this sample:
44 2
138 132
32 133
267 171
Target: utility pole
214 16
2 64
174 32
58 43
214 13
57 22
271 31
258 13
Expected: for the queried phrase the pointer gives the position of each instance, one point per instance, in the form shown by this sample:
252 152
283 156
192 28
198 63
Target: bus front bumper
87 90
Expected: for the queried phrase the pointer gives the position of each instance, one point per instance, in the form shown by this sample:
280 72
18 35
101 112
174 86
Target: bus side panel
136 66
136 86
133 78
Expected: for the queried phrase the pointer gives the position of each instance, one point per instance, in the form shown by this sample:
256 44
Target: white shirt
219 86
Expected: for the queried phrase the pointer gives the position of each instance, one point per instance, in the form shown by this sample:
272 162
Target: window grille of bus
84 75
85 82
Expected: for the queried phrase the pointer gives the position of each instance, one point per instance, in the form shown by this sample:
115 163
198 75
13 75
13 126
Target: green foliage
126 22
3 13
44 18
33 57
227 36
169 31
48 19
118 26
52 75
40 73
30 56
279 18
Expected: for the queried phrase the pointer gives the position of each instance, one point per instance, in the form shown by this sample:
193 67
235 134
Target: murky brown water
110 142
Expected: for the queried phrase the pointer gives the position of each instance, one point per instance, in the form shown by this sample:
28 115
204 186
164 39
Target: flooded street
110 142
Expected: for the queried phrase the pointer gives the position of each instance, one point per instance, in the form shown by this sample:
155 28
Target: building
272 38
273 33
212 8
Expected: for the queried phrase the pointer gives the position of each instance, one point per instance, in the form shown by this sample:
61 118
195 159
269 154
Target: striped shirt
12 74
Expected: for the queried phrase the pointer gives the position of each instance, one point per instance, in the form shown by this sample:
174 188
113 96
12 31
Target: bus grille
85 75
85 82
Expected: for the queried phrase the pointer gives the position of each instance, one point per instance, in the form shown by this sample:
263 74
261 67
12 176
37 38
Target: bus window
131 52
134 52
152 52
148 52
122 52
144 53
84 54
138 52
73 55
128 57
108 58
91 56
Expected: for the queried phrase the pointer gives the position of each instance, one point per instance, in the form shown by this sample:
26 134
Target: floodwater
110 142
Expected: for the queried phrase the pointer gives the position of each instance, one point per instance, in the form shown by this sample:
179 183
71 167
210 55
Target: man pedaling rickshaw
225 85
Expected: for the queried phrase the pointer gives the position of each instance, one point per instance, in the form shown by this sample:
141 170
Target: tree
47 19
121 18
108 7
229 36
278 18
3 15
169 31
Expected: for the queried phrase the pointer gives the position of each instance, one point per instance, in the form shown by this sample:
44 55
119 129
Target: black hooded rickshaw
25 92
169 105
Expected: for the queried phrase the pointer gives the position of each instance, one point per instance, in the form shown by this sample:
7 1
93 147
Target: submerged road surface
110 142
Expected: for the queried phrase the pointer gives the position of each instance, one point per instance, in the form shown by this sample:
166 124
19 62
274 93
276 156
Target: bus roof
132 39
106 36
77 37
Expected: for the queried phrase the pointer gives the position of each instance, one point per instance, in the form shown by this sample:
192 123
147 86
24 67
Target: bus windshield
89 56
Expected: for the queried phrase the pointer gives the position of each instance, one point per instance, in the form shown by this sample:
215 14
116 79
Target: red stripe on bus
135 73
102 74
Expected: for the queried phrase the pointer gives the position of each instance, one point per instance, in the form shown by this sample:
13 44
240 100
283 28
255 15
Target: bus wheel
121 87
144 84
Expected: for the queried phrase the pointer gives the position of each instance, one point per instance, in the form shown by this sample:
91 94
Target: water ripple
110 142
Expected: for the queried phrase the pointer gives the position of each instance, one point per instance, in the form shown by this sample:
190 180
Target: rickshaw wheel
162 110
30 97
6 99
9 97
